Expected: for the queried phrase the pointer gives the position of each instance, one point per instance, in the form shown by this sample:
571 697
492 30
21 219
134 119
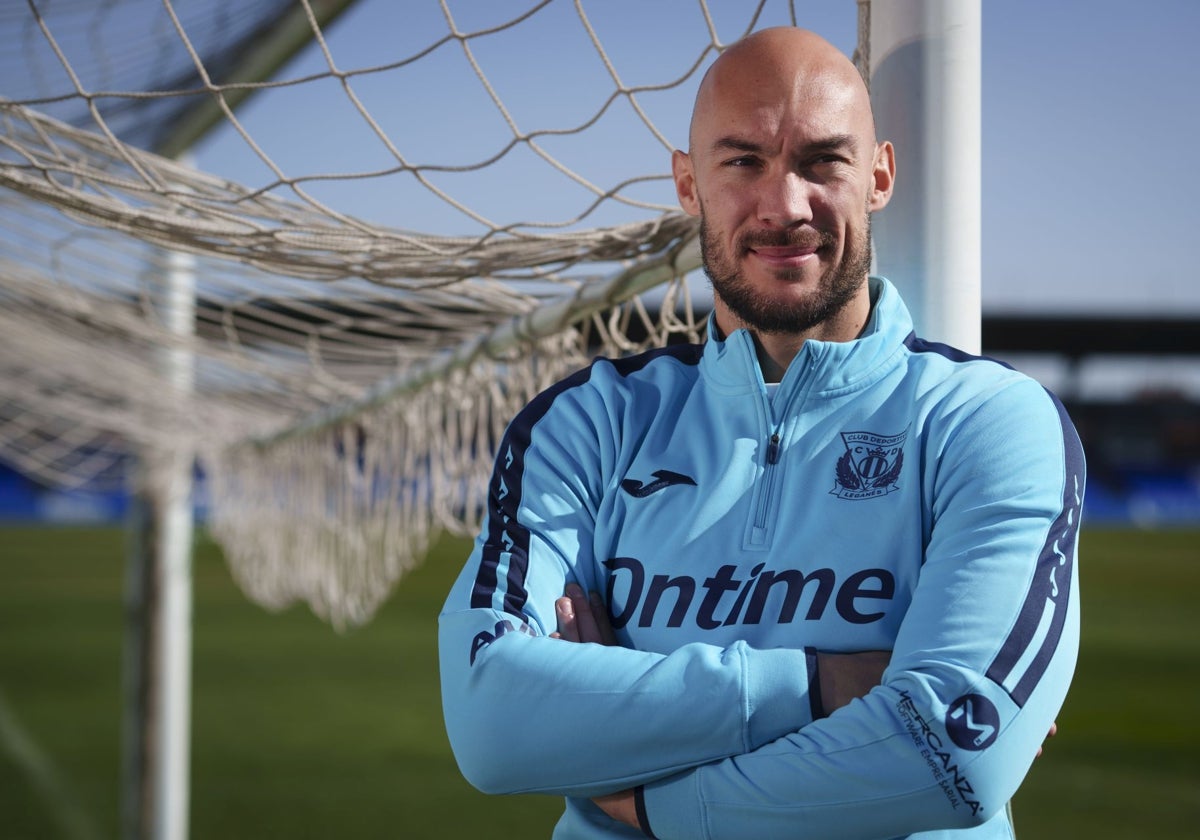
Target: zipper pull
773 449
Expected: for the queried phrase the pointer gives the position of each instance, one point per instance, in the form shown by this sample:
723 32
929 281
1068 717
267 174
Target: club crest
871 466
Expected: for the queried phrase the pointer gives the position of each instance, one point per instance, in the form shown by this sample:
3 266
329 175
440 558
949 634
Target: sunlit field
299 731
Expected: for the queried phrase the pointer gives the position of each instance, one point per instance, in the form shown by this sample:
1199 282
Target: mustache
801 238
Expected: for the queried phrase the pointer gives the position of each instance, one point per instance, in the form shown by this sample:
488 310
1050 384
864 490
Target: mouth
784 256
786 250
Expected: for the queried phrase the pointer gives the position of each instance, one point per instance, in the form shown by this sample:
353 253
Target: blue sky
1089 108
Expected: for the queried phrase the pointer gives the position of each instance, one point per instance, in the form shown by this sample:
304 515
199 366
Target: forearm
533 713
980 669
885 766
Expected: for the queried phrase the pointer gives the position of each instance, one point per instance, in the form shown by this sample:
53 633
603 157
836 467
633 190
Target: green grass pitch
299 731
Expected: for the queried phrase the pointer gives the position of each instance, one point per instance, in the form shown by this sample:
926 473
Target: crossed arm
843 677
751 754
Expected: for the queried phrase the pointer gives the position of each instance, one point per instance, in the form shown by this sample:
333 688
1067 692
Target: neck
775 353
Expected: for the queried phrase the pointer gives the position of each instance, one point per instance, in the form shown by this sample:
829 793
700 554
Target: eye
829 159
742 161
826 166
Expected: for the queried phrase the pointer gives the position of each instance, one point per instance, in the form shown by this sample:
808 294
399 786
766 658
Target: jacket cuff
639 802
676 803
779 693
814 685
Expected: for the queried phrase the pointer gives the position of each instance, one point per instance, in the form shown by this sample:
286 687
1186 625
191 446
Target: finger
1053 731
564 610
600 614
585 621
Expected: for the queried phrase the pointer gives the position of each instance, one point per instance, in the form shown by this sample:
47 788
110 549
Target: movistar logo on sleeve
972 722
665 478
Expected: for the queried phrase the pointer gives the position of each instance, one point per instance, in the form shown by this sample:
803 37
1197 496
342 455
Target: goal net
331 274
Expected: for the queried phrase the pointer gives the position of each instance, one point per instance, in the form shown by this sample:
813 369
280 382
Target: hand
1053 731
845 676
585 619
582 618
621 806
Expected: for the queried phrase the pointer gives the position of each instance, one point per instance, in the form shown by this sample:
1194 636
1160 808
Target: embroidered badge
871 465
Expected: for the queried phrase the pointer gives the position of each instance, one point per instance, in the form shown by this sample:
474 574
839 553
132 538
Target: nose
784 200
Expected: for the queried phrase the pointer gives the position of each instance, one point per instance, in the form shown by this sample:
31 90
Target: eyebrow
836 142
734 144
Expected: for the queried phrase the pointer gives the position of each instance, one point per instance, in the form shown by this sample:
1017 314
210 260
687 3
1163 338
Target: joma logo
665 478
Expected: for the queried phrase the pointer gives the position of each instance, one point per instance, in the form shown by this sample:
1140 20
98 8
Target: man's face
784 174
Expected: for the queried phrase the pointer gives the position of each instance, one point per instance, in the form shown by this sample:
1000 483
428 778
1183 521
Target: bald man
784 170
818 573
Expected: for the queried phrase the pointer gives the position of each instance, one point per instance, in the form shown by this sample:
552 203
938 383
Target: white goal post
926 92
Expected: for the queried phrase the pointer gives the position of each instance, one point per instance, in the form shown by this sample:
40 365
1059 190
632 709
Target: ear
685 182
884 176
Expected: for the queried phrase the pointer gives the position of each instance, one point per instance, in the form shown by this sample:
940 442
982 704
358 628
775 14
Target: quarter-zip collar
827 368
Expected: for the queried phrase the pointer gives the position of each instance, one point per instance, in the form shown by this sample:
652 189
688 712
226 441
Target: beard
767 314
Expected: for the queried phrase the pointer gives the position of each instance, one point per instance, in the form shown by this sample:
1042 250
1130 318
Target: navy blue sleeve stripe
506 543
920 345
507 540
1026 653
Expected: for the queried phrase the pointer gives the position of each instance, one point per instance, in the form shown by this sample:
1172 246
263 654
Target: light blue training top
894 495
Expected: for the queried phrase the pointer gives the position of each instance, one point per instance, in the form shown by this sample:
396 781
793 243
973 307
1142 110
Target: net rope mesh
341 383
